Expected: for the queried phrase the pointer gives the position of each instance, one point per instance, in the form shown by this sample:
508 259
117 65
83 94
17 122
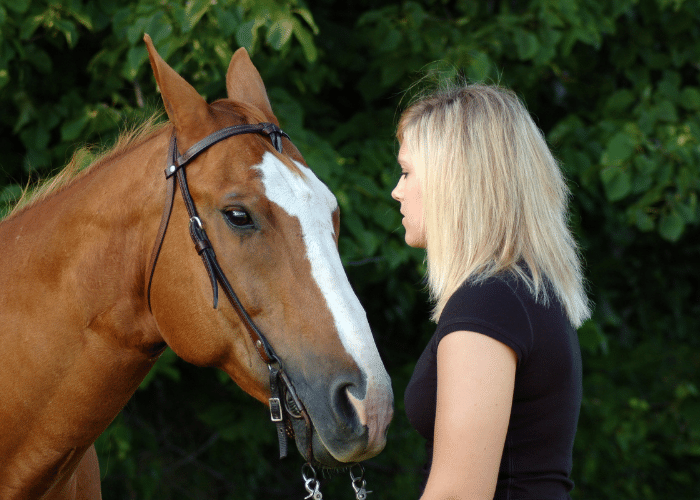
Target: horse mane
86 159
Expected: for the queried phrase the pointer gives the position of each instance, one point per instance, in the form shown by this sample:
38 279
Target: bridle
285 405
284 402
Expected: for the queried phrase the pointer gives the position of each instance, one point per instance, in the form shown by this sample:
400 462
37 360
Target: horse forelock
85 160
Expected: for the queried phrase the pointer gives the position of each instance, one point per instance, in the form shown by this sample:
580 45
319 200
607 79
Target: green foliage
615 87
76 71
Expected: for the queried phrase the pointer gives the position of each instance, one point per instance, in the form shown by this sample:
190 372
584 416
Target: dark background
613 84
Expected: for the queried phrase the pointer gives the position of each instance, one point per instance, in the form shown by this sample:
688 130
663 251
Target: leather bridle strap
175 170
266 128
164 220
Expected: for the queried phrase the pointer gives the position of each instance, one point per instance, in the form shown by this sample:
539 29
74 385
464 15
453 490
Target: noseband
284 402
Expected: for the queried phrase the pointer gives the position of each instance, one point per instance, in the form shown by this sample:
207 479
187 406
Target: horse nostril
358 410
359 407
348 404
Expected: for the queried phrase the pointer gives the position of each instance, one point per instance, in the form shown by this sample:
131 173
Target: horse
104 271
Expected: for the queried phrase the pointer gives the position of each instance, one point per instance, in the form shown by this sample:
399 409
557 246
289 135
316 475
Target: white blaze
312 203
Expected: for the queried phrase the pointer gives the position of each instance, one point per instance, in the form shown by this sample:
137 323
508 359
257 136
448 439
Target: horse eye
238 217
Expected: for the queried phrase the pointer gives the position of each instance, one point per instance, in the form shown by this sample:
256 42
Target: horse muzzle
339 428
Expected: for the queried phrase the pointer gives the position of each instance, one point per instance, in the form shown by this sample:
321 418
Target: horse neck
76 335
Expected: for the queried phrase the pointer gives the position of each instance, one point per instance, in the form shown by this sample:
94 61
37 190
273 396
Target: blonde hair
494 197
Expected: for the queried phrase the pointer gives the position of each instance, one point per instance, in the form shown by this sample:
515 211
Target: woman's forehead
404 156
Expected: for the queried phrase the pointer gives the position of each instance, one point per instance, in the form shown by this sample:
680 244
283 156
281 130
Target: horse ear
185 107
244 84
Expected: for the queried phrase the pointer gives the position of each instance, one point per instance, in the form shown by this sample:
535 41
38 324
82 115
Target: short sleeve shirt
537 456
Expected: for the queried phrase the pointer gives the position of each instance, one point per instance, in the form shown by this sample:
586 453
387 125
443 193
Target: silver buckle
276 410
196 220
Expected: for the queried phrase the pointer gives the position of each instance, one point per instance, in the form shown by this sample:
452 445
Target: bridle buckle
276 414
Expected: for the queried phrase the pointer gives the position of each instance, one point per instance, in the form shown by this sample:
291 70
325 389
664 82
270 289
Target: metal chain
311 484
359 483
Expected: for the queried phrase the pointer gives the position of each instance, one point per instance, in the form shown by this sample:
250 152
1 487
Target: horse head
273 227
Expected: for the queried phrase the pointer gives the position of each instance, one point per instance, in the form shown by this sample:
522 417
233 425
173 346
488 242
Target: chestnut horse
92 290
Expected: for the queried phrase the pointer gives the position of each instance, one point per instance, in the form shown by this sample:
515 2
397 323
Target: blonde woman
497 391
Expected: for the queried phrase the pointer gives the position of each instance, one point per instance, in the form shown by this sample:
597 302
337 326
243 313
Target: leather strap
164 220
269 129
276 408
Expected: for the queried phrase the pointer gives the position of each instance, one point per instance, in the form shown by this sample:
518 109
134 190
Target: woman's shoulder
495 306
496 295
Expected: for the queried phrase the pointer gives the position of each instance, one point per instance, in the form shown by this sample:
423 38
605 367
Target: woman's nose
397 192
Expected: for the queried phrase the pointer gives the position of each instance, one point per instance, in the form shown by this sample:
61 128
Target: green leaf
306 40
671 226
73 129
479 66
84 18
666 111
29 26
367 185
644 165
689 209
136 30
246 35
135 59
592 338
572 124
159 28
548 46
577 162
306 15
355 225
27 112
685 390
228 22
35 137
18 6
280 32
69 31
526 44
690 98
643 220
617 182
670 84
639 404
223 52
194 10
619 149
620 101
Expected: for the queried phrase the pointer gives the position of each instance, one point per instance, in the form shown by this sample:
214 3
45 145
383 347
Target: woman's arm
476 377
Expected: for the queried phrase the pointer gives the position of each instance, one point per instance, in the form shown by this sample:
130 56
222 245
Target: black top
536 460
